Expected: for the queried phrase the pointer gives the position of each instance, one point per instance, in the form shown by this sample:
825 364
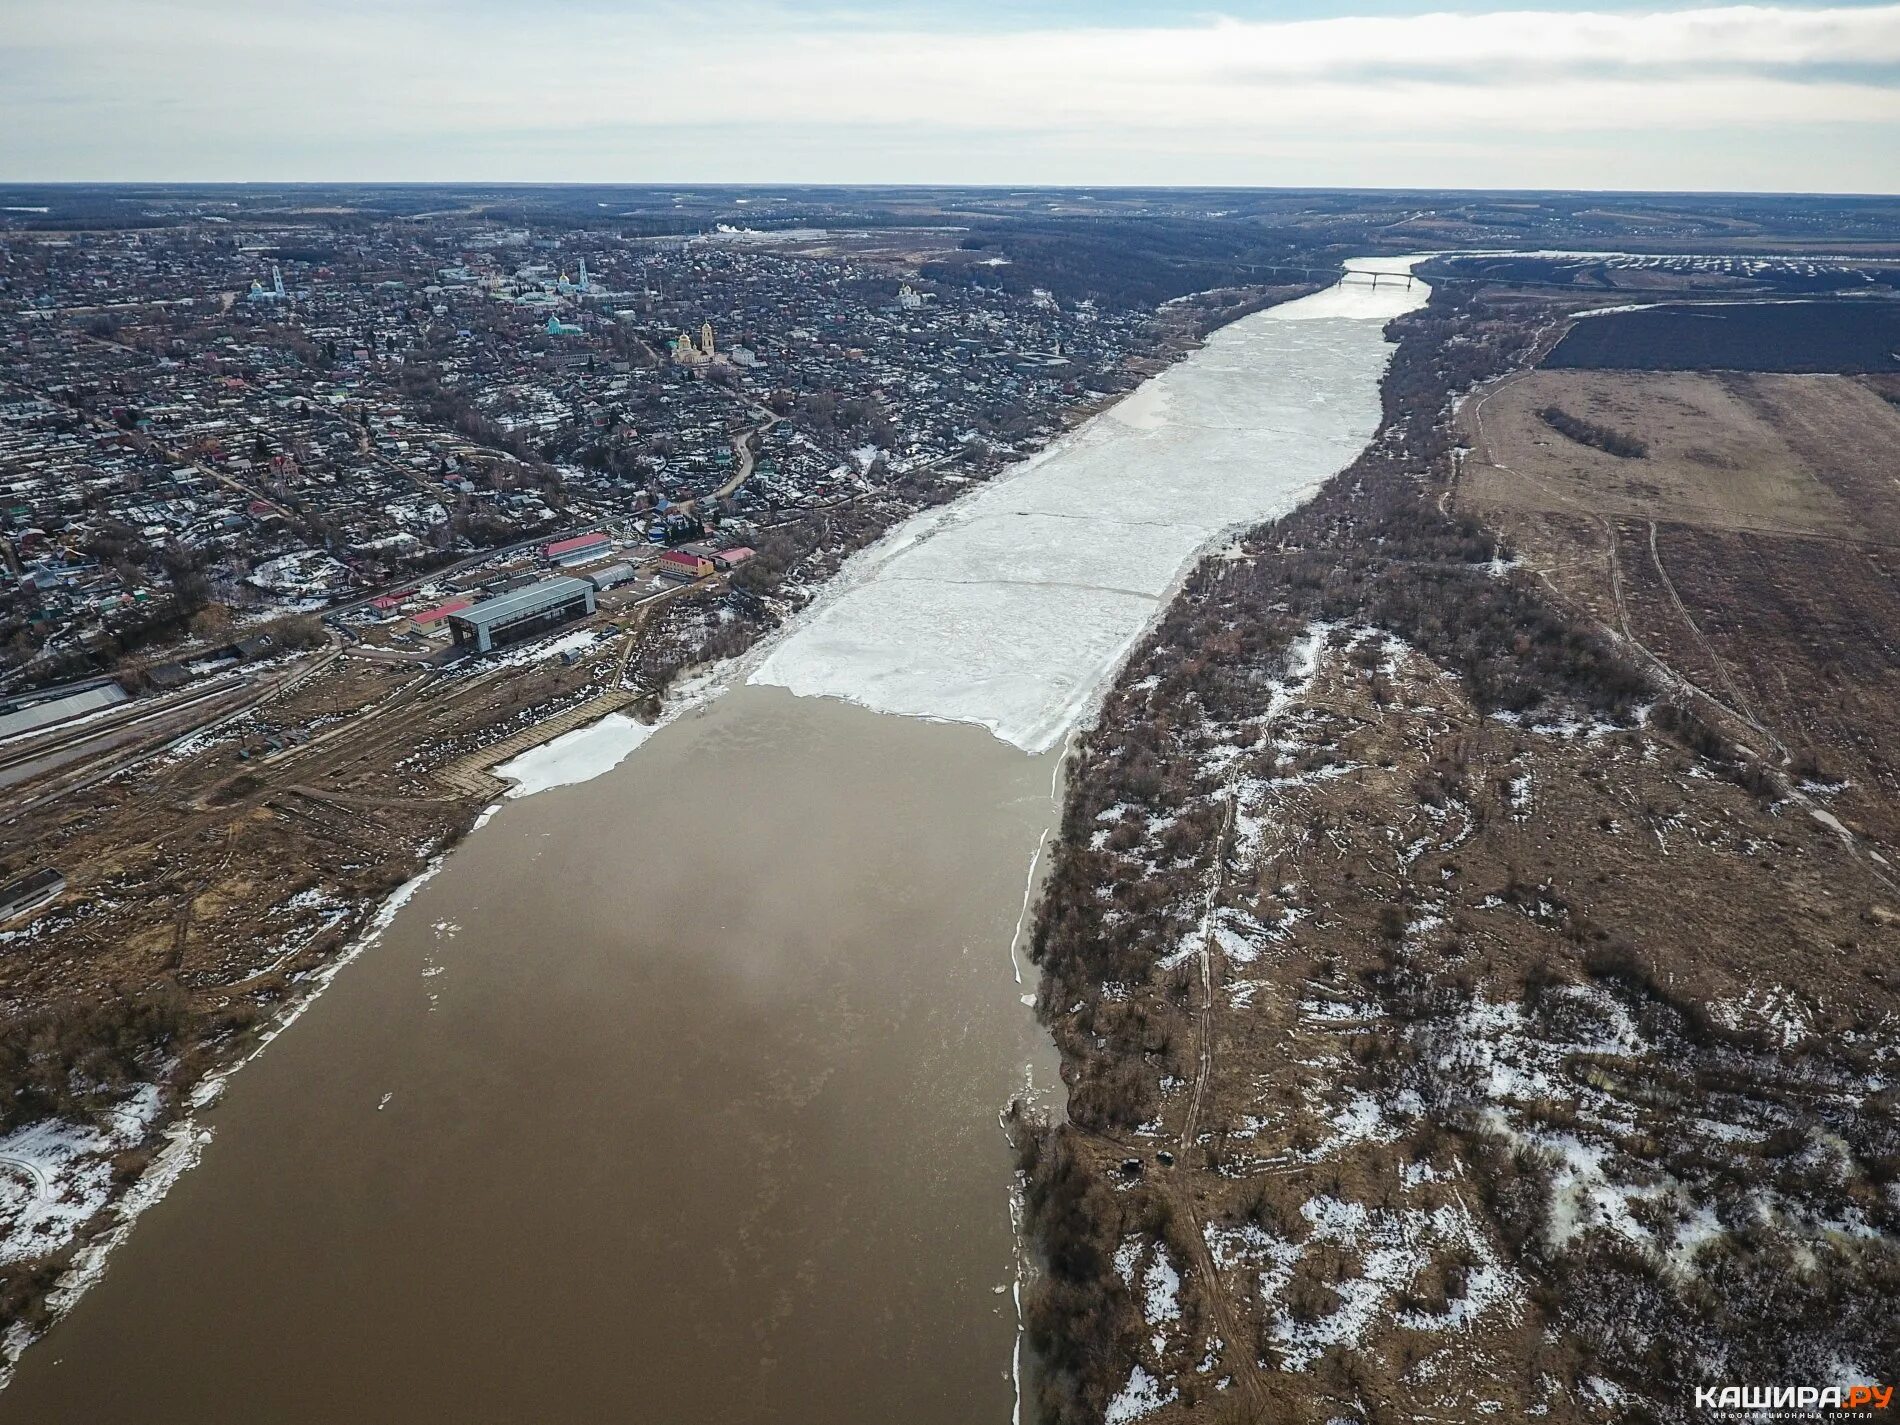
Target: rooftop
440 611
579 541
530 599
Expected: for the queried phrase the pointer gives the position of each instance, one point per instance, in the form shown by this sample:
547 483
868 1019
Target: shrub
77 1058
1584 432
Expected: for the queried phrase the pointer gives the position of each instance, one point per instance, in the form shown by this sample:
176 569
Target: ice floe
1013 606
577 756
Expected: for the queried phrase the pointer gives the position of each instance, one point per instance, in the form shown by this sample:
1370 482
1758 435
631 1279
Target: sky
1781 97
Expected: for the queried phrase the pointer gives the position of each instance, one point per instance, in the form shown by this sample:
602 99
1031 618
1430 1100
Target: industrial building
521 613
686 564
696 561
427 620
582 549
30 892
606 578
43 709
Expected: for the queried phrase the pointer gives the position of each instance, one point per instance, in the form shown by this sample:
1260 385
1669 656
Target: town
313 522
203 434
660 642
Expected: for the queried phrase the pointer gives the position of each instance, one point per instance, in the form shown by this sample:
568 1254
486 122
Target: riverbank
703 1053
224 883
1012 608
1392 1093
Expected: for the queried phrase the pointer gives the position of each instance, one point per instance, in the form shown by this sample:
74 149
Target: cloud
187 89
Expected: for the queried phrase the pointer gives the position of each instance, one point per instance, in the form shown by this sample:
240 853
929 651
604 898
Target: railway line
104 750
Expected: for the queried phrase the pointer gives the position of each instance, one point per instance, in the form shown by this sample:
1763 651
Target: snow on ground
1776 1009
1392 1246
1161 1288
1126 1257
577 756
523 654
55 1174
1013 606
1141 1396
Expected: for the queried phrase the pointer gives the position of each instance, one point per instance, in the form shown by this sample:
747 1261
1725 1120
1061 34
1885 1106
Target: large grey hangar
521 613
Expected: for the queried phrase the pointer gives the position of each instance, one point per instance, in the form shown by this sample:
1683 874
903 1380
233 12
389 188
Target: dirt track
1764 523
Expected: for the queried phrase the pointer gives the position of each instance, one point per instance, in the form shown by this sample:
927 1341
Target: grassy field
1755 549
1714 460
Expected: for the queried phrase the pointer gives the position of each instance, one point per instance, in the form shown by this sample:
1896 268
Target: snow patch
1141 1396
575 757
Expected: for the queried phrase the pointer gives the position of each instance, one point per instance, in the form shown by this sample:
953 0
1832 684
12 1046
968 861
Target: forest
1123 261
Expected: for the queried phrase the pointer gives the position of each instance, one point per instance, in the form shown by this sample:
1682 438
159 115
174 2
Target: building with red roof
580 549
686 564
429 618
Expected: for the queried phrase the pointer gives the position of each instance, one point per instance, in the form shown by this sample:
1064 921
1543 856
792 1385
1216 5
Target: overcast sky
1316 92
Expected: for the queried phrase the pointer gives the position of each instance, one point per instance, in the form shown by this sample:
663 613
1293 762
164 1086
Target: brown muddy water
672 1097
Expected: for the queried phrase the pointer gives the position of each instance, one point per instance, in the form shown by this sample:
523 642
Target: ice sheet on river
1011 607
577 756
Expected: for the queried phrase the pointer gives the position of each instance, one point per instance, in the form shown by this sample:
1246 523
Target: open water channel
674 1095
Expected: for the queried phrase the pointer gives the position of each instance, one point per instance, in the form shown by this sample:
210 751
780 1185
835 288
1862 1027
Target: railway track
199 710
44 747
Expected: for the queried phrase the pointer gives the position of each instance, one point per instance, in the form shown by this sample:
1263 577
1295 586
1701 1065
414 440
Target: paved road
742 458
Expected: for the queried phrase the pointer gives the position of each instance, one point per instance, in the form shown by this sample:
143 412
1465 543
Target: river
674 1095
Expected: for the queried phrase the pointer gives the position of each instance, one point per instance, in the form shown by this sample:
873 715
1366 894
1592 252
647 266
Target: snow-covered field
1012 607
